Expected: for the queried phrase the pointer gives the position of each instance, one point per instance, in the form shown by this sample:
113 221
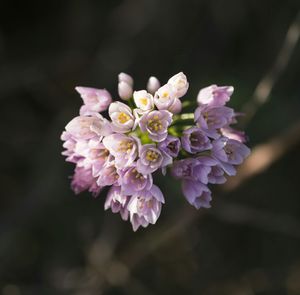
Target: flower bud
123 77
125 90
180 84
153 85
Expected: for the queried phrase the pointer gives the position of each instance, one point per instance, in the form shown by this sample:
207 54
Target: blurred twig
264 155
265 86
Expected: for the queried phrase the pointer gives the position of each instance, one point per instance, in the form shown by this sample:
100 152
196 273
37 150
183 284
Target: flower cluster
128 142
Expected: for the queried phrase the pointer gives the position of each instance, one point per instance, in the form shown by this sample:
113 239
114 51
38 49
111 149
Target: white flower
180 84
143 100
122 118
164 97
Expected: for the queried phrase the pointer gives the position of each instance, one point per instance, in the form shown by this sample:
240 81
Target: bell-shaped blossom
125 85
124 148
95 100
153 85
93 153
196 193
230 151
108 175
133 181
194 140
69 145
170 145
145 206
214 95
151 159
212 118
193 169
83 180
216 175
156 124
117 202
122 118
203 167
180 84
184 169
88 127
143 100
164 97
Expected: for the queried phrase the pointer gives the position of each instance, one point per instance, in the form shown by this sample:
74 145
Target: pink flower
88 127
156 124
83 180
117 202
145 206
95 100
214 95
124 148
164 97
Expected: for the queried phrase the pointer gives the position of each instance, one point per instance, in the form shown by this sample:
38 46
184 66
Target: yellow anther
143 101
151 156
123 118
165 95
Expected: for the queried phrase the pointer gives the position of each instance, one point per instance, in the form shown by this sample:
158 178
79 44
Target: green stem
185 116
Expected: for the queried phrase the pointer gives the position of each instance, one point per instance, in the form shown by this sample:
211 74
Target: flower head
139 139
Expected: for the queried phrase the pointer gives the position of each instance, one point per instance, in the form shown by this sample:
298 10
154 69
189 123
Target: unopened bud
125 90
152 85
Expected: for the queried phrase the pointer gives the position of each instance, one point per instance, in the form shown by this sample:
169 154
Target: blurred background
53 242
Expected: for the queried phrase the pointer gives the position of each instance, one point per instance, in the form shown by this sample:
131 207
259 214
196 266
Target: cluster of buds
128 142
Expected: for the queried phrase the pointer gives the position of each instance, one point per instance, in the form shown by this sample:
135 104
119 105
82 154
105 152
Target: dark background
52 242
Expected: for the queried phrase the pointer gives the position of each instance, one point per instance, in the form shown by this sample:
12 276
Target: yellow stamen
143 101
123 118
152 156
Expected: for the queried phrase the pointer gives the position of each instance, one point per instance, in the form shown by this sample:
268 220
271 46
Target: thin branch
263 89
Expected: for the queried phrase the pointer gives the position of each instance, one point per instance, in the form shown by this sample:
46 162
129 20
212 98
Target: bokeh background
53 242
